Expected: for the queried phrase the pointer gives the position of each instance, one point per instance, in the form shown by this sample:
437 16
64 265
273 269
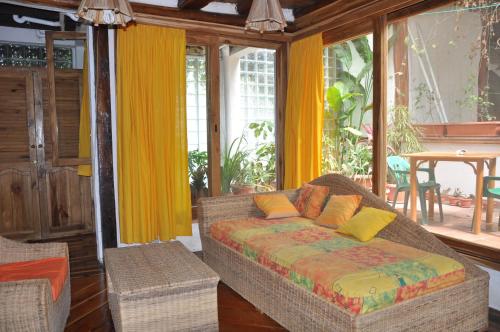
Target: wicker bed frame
463 307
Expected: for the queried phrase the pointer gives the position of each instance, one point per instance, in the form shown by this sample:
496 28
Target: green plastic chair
399 168
491 192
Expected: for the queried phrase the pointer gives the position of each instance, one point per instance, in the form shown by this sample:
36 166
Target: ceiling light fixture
109 12
266 16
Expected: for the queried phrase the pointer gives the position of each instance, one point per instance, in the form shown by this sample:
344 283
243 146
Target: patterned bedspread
358 276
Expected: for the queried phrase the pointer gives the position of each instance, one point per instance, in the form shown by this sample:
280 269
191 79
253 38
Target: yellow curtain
304 112
84 132
154 196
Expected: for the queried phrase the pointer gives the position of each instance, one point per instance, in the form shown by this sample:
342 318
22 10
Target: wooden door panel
69 200
18 202
14 136
68 93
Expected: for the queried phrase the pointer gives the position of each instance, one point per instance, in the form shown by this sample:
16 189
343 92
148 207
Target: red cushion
55 269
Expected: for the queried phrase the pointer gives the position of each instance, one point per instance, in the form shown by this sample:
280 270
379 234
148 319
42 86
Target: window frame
50 38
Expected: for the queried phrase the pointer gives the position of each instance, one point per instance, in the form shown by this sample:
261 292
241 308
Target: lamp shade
266 16
110 12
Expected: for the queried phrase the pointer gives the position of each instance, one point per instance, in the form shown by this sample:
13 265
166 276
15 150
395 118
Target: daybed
462 307
28 305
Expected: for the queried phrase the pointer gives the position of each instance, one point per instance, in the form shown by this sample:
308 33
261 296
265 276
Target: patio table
476 160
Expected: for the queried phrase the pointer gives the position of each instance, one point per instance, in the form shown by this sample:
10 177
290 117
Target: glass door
248 119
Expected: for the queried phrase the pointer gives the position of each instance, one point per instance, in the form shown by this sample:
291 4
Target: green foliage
233 159
474 102
345 148
261 169
243 166
197 168
358 159
402 136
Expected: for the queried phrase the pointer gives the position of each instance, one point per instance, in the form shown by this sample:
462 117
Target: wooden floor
89 306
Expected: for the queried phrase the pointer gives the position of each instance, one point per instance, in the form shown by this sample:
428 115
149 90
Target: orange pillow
338 210
311 199
276 206
55 269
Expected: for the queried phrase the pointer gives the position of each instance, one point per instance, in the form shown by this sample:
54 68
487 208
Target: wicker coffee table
160 287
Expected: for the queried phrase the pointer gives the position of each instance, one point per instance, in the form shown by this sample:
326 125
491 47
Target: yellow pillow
276 206
367 223
338 210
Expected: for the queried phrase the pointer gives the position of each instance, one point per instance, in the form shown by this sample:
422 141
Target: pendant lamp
266 16
109 12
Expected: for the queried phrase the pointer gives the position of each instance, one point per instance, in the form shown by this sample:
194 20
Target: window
443 96
25 55
257 87
248 154
196 113
347 141
196 101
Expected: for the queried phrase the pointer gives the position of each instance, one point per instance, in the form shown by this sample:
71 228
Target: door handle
33 146
40 145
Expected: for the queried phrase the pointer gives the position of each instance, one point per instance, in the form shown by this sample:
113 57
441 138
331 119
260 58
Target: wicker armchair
27 305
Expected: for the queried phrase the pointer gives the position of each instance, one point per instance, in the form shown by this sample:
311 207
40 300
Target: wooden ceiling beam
243 7
189 14
303 10
343 12
193 4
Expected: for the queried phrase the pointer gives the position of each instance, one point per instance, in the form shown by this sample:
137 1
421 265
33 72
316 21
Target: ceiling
232 12
298 7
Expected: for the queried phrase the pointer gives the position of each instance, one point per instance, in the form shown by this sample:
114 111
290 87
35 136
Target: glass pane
248 157
443 93
26 55
347 127
197 122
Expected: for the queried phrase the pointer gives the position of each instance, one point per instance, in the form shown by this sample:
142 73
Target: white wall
442 56
494 294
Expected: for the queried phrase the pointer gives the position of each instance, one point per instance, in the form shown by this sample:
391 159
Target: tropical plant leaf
363 48
353 131
344 54
334 99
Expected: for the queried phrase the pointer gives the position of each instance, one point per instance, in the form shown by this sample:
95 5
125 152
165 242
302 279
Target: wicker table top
153 266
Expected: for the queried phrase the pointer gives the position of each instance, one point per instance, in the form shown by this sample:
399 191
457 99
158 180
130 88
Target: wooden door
66 197
19 199
37 199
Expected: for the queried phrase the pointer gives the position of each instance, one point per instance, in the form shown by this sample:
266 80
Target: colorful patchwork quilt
359 276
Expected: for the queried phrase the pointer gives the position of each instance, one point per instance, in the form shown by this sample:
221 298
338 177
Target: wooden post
281 89
104 140
492 171
413 189
380 50
478 215
213 72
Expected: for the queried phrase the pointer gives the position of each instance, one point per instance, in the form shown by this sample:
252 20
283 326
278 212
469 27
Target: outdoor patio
457 225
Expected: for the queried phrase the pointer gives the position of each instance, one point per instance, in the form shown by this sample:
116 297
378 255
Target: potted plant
402 136
455 198
349 100
233 161
466 201
262 166
197 169
445 195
